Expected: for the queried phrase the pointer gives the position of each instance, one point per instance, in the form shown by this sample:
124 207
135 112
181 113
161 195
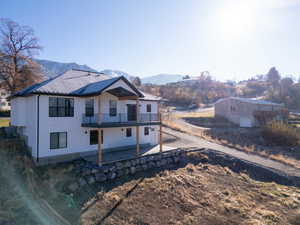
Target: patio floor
127 154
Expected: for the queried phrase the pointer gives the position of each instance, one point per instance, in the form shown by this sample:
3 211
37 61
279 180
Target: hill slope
53 68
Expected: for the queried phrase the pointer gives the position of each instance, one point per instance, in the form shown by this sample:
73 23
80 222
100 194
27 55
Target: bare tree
137 81
17 47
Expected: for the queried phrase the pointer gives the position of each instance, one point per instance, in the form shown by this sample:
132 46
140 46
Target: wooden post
160 135
137 127
160 128
100 150
99 110
137 141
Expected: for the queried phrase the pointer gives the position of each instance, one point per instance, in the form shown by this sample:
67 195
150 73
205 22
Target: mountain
117 73
162 79
52 68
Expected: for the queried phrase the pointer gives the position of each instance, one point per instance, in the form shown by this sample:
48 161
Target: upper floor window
89 107
148 107
61 107
112 108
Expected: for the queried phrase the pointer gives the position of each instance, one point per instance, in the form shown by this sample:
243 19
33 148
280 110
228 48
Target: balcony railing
101 118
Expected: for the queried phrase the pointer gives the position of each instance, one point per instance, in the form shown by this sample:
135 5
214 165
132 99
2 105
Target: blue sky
230 38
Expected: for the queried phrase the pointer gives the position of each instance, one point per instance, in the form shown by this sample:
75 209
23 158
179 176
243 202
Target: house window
232 108
61 107
93 137
112 108
146 131
89 107
148 107
128 132
58 140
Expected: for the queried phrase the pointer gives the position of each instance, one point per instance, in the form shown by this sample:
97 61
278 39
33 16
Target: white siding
24 113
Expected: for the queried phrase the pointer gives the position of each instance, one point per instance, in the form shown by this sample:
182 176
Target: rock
133 162
142 160
169 160
138 168
113 168
91 179
158 164
112 175
105 169
144 166
100 177
82 182
127 164
119 165
73 187
150 164
176 159
126 171
94 171
120 173
132 170
86 172
163 162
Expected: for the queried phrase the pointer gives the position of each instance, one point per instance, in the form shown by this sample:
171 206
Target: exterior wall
235 110
24 114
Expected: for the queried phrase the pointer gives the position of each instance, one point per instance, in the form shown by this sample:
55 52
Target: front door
131 112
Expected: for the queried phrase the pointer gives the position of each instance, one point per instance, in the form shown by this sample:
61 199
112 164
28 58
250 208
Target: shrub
280 133
5 113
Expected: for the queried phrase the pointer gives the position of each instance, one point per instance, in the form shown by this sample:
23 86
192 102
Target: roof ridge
87 71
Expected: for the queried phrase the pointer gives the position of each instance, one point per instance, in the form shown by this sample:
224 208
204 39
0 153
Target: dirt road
189 141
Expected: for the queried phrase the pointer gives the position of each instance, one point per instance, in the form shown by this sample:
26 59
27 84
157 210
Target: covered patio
129 153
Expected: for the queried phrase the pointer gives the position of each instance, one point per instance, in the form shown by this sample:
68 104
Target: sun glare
237 19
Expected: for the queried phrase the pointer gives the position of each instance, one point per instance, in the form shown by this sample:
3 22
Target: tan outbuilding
241 111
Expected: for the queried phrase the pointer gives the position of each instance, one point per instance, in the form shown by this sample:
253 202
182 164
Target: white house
82 113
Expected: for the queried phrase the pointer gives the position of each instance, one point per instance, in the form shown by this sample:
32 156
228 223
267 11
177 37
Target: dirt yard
195 194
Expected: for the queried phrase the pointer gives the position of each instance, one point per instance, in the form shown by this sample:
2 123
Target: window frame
146 131
113 108
58 144
128 132
61 107
95 142
149 108
89 107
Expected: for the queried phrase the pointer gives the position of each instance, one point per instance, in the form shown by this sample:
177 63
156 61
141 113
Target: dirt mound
195 194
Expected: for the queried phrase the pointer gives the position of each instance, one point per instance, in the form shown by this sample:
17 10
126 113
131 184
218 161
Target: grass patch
281 134
4 122
207 114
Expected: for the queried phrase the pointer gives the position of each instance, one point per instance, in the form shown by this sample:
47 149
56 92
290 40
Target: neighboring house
83 113
242 111
4 103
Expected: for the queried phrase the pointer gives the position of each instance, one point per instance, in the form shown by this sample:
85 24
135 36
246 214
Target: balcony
104 120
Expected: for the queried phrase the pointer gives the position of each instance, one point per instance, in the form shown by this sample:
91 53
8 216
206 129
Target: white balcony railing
100 118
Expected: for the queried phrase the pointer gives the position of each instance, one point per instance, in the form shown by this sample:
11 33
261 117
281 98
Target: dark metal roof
76 83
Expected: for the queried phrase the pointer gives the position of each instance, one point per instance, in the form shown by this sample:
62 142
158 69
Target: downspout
38 129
